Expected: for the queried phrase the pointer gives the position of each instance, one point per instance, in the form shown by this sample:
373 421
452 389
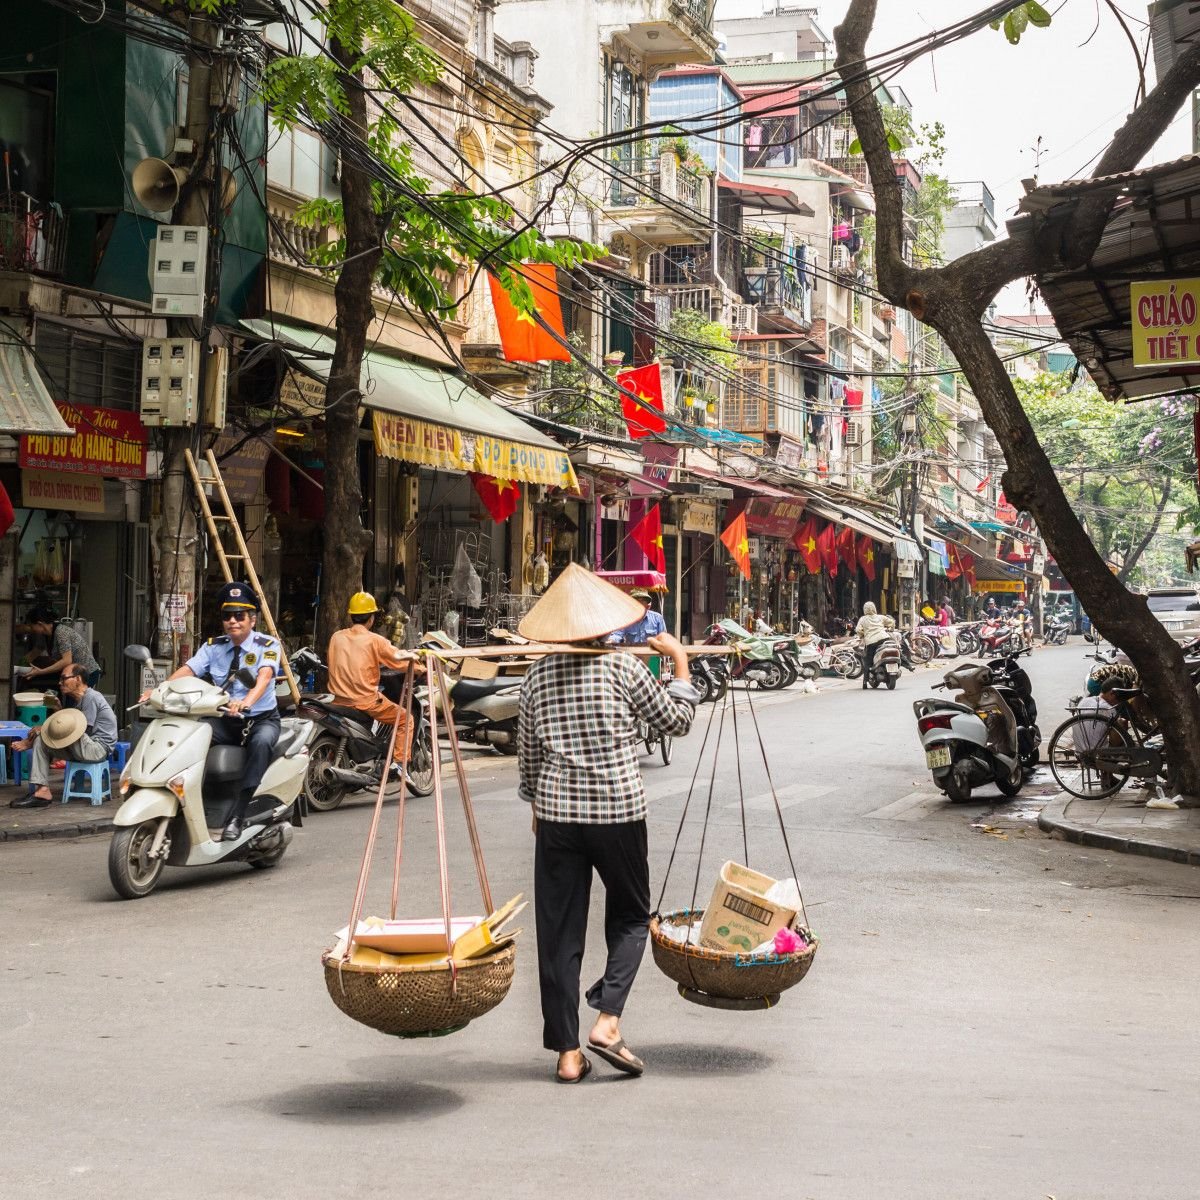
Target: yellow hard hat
361 603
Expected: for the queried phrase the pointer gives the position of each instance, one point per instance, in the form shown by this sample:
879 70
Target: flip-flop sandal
584 1072
612 1055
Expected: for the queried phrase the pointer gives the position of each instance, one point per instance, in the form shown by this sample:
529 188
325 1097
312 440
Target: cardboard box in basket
739 917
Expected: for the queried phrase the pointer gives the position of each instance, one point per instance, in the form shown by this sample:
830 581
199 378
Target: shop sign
105 442
791 454
303 394
660 459
242 470
700 518
999 585
774 518
440 446
56 489
1165 319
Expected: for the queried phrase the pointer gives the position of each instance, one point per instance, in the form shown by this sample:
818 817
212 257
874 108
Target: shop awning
754 486
904 547
25 404
423 414
761 197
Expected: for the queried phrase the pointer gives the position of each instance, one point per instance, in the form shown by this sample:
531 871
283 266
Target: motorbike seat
467 690
338 710
224 764
1127 693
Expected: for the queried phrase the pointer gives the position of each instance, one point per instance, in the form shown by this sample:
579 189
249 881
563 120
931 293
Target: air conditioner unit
854 434
840 259
170 377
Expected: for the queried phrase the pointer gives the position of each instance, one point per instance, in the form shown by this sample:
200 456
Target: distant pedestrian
870 630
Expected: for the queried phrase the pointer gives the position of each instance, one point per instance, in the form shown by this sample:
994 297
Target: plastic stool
22 762
31 714
96 776
4 763
120 752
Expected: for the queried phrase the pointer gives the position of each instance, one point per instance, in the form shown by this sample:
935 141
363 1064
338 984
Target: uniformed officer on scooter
252 716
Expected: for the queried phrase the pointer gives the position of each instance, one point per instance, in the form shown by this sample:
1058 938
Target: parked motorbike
966 637
710 677
350 751
970 740
756 663
885 666
180 790
1011 681
485 711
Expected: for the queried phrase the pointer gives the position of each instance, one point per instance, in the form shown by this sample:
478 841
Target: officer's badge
250 659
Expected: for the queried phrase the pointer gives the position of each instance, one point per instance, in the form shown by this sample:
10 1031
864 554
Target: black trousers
258 735
868 660
566 854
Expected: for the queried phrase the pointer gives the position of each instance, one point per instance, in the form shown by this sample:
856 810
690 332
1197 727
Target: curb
53 832
1053 820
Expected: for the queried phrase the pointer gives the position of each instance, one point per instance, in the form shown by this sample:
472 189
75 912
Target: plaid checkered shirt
578 735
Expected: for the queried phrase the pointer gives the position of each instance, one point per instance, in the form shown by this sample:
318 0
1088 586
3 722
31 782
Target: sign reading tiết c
440 446
1165 319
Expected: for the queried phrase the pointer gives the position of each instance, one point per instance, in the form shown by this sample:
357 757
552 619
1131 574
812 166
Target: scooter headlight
175 785
126 780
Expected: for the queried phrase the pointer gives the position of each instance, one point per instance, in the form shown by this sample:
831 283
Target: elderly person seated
85 732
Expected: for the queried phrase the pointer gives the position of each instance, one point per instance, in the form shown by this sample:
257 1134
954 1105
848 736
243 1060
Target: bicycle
1094 754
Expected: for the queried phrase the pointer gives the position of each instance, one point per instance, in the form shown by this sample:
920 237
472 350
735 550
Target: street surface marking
788 795
914 807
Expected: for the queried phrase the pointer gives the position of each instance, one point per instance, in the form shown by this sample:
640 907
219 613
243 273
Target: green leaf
855 147
895 145
1015 24
1037 14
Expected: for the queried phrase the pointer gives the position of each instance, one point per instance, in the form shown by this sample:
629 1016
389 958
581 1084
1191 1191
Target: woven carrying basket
722 973
416 1001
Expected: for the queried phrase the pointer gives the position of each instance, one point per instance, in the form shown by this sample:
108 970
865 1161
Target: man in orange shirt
355 658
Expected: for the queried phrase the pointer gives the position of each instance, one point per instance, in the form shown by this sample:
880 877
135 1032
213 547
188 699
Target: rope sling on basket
744 979
423 995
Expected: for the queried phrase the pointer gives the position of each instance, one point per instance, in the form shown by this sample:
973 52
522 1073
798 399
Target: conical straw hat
578 607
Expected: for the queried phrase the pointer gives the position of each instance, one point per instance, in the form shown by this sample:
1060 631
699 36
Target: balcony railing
700 11
32 235
774 288
644 181
975 193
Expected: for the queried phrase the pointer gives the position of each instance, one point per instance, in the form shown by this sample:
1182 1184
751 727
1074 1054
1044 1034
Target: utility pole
211 86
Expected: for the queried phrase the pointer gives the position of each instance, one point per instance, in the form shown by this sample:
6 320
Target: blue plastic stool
22 762
96 776
4 763
120 752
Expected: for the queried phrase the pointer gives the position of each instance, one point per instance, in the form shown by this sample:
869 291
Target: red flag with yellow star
805 540
866 557
647 536
522 339
737 542
827 549
646 384
845 547
500 496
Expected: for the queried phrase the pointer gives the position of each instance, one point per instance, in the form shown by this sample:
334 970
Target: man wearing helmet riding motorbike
356 655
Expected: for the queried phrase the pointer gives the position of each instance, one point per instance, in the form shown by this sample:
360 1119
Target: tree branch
1137 551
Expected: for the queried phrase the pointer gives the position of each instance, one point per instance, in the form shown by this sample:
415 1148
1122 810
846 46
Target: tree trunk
345 540
952 299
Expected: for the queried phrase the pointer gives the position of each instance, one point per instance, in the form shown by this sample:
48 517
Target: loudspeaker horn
156 184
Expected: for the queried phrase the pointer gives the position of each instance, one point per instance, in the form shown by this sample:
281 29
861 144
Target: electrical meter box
170 379
178 268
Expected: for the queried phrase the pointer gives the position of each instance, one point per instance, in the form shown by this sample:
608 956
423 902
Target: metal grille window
82 367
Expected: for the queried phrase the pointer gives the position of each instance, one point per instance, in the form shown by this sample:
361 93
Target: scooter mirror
138 653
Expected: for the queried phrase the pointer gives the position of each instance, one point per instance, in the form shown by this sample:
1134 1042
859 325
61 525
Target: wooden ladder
243 554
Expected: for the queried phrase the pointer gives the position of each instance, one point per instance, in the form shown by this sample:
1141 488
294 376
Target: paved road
991 1014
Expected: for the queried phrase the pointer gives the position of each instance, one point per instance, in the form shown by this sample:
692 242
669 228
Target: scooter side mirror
138 653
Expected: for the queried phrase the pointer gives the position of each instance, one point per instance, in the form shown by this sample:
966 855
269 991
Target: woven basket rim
735 958
483 960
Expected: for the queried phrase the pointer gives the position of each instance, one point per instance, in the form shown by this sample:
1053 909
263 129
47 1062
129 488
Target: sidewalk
57 821
1120 823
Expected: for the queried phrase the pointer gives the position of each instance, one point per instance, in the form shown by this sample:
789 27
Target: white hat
63 728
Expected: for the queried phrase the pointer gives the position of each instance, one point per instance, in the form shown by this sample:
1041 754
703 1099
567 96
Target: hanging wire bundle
721 978
427 999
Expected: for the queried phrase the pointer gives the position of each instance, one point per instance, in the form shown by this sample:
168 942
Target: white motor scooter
180 790
970 740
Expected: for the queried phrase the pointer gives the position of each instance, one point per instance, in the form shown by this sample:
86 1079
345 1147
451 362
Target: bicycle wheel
921 648
1075 769
844 662
666 748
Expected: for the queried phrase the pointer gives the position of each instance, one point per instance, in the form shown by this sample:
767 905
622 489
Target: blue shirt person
252 716
641 631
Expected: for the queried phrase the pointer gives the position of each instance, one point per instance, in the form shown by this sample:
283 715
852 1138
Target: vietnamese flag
647 536
954 570
866 557
7 516
737 542
968 566
646 384
500 496
805 540
521 337
845 547
827 549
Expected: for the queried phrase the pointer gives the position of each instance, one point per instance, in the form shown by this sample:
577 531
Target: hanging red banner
105 442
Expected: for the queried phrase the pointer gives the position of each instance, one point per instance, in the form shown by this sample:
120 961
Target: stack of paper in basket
749 913
418 943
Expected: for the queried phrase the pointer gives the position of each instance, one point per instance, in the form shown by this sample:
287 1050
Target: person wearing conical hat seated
578 767
85 732
640 632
